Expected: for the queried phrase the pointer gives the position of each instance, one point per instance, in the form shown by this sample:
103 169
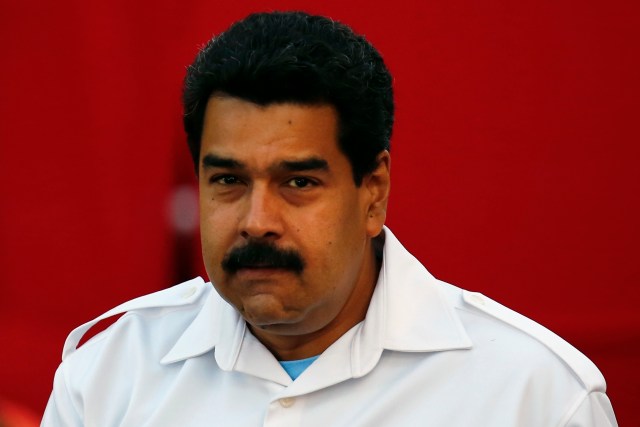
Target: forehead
240 129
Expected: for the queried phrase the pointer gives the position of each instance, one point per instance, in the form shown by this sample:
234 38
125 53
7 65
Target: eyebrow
308 164
312 163
213 161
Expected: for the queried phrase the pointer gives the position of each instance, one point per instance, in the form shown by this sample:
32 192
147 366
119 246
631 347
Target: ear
377 185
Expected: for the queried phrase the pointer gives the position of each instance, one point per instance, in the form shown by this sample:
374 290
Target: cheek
208 259
338 238
348 225
216 226
217 220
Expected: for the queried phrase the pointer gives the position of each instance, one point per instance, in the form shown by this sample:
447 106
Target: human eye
301 182
224 179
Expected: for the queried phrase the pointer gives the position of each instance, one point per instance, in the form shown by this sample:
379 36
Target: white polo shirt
427 353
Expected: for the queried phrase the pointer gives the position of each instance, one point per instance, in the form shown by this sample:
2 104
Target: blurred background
515 163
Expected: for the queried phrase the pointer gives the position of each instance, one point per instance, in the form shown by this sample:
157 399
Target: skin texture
275 174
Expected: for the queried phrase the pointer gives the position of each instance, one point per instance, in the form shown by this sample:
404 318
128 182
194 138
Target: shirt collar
408 312
204 332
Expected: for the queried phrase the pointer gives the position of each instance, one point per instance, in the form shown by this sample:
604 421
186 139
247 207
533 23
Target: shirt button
286 402
477 299
189 292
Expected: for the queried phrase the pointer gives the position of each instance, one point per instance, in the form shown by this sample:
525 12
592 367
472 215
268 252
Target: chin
268 321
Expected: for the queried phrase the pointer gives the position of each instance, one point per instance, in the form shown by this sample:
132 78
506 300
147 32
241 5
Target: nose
261 218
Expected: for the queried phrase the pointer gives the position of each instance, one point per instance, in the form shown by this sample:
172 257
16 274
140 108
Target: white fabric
427 354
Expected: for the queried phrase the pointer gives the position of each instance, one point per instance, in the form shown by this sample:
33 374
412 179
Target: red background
515 162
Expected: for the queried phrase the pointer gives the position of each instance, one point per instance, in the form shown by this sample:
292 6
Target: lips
260 273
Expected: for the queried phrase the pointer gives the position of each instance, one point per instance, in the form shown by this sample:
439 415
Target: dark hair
296 57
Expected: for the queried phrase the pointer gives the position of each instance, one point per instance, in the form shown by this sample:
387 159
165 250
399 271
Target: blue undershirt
295 367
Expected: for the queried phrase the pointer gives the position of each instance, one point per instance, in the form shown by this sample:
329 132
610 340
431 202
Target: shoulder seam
186 294
584 370
573 408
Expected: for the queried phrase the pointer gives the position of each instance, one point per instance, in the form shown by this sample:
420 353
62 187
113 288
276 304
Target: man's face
274 176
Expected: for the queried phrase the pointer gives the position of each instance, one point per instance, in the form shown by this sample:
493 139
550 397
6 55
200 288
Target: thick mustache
262 255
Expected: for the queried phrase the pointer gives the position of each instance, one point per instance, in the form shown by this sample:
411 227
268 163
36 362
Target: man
316 315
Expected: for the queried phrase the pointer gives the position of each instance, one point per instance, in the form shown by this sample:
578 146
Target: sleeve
594 411
61 410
